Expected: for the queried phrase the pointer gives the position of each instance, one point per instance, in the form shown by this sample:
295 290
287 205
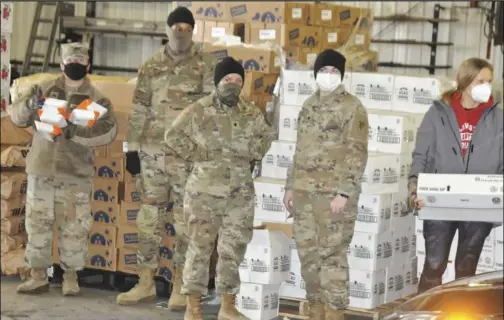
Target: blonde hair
466 74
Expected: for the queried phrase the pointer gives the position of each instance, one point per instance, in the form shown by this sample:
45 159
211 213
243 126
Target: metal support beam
434 39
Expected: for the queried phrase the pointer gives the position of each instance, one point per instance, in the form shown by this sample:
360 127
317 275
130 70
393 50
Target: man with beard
59 173
176 76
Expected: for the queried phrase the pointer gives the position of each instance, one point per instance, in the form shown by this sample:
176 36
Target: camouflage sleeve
20 113
179 149
289 183
103 132
355 159
263 136
208 76
141 108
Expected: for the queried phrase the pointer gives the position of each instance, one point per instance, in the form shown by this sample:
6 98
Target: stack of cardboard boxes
6 17
382 254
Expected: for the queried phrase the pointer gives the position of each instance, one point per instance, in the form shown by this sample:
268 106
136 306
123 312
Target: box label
267 34
326 15
332 37
218 32
359 39
297 13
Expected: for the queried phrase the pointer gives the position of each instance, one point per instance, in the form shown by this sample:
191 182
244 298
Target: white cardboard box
278 159
392 133
294 286
367 289
347 81
395 280
381 174
5 74
370 252
297 86
499 233
287 130
373 213
373 89
487 257
7 16
267 259
401 215
258 302
401 240
499 253
461 197
411 277
269 194
414 94
5 46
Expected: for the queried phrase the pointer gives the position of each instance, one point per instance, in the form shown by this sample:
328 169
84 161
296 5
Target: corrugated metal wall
467 34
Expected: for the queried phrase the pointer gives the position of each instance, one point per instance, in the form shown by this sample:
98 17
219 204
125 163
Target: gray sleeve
425 143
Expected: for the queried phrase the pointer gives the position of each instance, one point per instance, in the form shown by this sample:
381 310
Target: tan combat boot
332 314
228 310
145 290
193 310
177 301
317 310
36 283
70 283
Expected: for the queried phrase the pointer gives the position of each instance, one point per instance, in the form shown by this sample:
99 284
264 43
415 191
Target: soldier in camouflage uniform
216 139
324 183
176 76
59 173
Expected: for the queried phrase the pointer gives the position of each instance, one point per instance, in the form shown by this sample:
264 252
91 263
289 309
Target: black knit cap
227 66
330 58
180 15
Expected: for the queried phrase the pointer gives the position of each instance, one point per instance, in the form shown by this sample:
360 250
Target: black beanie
227 66
180 15
330 58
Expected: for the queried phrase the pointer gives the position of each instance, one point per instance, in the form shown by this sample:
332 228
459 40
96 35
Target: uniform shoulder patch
359 126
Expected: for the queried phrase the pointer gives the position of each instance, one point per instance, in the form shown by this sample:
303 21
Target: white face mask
328 82
481 93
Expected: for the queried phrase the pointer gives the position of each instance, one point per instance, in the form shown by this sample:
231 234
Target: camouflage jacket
66 158
331 148
165 86
217 144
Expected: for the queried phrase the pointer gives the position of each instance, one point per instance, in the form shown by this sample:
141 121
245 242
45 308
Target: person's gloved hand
133 162
69 130
35 101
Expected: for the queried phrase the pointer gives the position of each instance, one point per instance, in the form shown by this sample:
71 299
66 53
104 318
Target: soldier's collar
85 86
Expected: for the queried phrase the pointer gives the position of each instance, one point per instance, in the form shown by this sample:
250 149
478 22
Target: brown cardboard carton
122 118
13 207
349 16
297 12
166 265
119 94
259 83
111 168
257 33
205 10
198 31
127 236
103 235
304 36
216 29
105 212
129 192
13 225
12 263
10 134
301 55
102 258
323 14
129 213
167 229
335 37
13 242
106 190
100 151
254 59
116 149
127 260
166 269
13 184
268 12
13 156
362 39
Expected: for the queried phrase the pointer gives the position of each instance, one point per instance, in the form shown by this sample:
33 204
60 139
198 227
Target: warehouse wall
467 34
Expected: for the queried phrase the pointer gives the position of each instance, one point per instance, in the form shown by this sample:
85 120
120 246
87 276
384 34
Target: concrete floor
91 304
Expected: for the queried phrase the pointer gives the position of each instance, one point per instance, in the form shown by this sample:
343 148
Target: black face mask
75 71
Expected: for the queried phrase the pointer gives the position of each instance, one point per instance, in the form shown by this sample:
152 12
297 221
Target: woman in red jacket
460 134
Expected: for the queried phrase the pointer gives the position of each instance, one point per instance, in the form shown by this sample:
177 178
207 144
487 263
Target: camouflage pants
66 203
322 244
207 216
438 237
154 214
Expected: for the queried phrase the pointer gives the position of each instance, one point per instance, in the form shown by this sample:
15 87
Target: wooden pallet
291 308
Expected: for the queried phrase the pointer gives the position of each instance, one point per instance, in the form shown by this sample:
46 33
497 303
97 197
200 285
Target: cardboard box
303 36
297 86
5 45
373 213
166 269
367 289
127 236
216 29
106 190
100 152
369 251
278 159
268 12
411 277
373 89
361 40
14 184
203 10
401 242
395 281
127 261
269 194
13 225
335 37
499 255
487 257
258 302
288 122
106 213
128 214
7 16
349 16
294 286
102 258
267 259
10 134
103 235
116 149
381 174
323 14
198 31
13 207
304 56
129 192
13 242
109 167
122 118
259 83
120 95
499 233
254 59
414 94
461 197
